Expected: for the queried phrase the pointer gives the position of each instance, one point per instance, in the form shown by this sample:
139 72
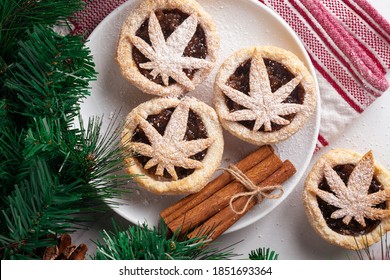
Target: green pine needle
142 243
367 253
51 74
96 156
36 208
17 16
11 158
61 174
263 254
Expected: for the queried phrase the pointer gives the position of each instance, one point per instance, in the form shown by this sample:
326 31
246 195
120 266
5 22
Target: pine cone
64 250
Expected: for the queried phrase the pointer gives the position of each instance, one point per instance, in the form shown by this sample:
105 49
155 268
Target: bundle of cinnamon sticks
209 212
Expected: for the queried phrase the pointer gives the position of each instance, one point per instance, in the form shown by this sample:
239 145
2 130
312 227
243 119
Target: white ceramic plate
241 23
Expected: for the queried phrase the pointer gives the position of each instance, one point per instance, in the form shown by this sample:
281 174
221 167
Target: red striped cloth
348 42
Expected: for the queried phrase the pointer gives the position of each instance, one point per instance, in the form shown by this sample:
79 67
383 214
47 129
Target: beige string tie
253 190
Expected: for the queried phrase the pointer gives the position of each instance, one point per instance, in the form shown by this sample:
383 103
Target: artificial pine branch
11 158
104 153
17 16
368 254
50 76
142 243
78 185
84 153
36 208
263 254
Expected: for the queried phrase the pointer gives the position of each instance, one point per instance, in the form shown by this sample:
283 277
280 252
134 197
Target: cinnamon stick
183 205
225 218
220 199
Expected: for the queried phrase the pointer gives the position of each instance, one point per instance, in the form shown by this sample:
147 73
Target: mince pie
347 199
264 94
176 144
167 47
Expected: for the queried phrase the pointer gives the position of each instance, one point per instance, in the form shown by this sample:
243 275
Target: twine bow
253 190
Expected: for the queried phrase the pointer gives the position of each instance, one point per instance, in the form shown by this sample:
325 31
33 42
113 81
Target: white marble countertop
286 229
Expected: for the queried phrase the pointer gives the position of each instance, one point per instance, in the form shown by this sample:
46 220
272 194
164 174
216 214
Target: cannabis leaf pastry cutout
262 105
166 56
170 150
353 200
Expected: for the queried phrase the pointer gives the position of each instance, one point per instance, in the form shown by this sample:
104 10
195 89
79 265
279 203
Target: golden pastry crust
313 212
294 66
124 55
214 142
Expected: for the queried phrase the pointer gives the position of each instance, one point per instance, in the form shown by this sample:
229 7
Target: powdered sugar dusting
170 150
262 105
353 200
166 56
